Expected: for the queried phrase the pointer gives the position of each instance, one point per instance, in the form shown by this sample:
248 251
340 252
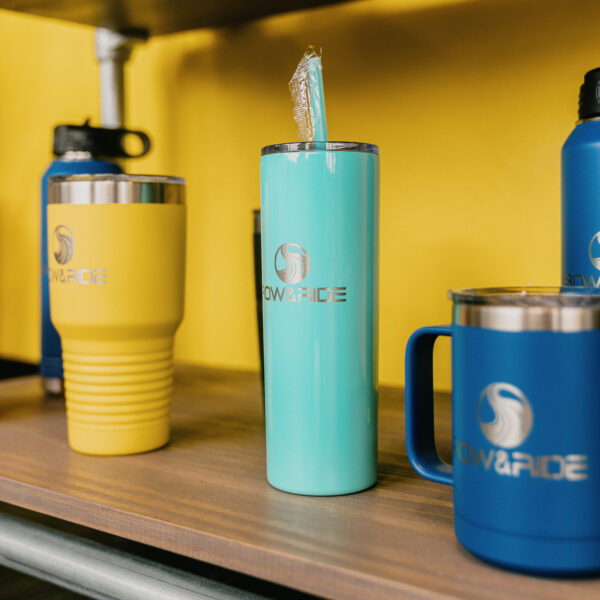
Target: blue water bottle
80 149
320 241
581 191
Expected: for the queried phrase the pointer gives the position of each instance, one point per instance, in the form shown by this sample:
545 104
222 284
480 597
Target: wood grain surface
205 496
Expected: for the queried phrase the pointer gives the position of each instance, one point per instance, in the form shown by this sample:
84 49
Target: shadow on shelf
15 368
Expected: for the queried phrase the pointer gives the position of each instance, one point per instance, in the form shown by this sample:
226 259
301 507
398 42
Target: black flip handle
113 143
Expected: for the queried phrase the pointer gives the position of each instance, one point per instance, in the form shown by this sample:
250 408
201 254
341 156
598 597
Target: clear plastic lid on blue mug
527 308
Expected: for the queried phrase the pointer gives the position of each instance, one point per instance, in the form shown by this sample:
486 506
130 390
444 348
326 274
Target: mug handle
418 398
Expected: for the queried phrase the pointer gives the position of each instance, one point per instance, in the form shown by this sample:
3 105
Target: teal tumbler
320 262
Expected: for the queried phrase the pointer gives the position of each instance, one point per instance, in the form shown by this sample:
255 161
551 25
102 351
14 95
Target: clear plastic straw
306 88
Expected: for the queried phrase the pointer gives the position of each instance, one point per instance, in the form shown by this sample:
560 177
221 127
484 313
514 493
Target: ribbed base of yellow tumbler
118 403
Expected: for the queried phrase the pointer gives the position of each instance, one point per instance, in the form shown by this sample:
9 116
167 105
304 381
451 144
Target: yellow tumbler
116 249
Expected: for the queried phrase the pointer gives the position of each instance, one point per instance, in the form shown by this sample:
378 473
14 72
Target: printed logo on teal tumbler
296 263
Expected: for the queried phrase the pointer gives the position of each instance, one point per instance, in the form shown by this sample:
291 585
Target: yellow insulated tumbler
116 249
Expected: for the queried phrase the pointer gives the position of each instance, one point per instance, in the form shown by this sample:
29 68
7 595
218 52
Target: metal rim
320 146
115 189
514 309
116 177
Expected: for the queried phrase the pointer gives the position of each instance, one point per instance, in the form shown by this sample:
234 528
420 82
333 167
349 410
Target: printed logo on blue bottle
577 279
505 418
64 248
292 265
595 249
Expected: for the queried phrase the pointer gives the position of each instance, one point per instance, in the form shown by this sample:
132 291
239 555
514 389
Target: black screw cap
589 95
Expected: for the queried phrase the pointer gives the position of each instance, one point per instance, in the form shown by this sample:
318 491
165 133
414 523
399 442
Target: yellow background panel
468 101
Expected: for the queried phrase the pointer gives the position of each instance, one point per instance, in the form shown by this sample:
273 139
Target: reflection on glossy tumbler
116 247
320 240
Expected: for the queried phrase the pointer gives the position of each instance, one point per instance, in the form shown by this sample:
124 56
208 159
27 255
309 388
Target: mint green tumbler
320 261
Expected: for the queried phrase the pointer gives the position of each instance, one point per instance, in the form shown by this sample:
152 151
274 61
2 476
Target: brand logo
506 419
581 280
595 249
82 276
512 415
64 245
291 263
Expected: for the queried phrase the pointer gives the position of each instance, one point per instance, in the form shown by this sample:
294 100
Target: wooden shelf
205 496
159 16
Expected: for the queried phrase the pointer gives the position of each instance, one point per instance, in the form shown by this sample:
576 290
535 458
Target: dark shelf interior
16 368
159 16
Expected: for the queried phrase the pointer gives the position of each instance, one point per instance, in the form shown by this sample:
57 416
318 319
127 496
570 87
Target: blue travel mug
320 245
525 414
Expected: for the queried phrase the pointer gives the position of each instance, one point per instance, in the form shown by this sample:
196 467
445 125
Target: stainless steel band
565 319
528 308
115 189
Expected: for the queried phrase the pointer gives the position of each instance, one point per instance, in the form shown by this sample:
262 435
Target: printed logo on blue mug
526 408
509 427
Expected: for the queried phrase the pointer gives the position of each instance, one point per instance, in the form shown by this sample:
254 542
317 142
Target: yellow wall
469 102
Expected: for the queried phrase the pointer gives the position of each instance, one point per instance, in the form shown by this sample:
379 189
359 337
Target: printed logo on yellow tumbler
116 269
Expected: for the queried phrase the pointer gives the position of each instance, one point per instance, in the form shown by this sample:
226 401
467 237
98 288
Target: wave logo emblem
512 415
595 260
291 263
64 245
